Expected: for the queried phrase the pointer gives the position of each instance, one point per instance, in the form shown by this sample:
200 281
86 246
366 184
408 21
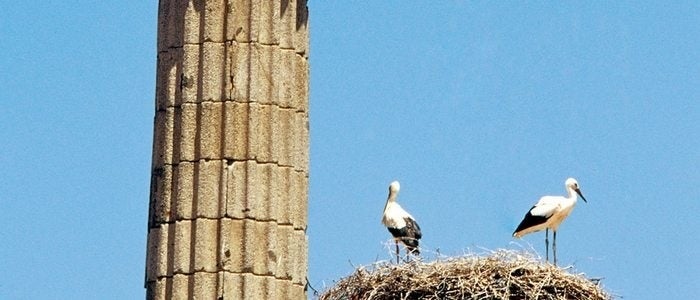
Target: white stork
548 213
400 223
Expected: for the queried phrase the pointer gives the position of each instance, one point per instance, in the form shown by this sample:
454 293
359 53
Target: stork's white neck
573 196
391 199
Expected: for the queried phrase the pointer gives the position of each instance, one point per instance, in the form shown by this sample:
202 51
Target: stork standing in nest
548 214
400 223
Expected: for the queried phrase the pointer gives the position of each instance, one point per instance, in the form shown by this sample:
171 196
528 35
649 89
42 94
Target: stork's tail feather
411 245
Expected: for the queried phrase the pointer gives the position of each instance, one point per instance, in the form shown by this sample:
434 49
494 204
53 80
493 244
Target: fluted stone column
228 205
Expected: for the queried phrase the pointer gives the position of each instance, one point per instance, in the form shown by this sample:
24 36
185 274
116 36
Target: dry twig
502 274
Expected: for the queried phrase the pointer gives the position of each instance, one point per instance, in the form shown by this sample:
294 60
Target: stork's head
573 184
394 187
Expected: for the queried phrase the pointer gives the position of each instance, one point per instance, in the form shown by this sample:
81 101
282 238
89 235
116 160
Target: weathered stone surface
214 20
267 13
286 80
157 262
260 287
296 201
190 80
206 245
186 132
274 191
283 288
239 20
270 286
301 36
298 141
233 286
301 91
159 289
284 241
230 151
167 76
298 250
213 73
286 121
253 286
210 130
263 191
240 59
193 22
206 286
303 203
208 186
161 195
184 190
287 24
297 292
262 58
254 207
232 245
181 287
236 131
236 192
182 247
170 24
260 252
284 202
163 137
260 133
261 199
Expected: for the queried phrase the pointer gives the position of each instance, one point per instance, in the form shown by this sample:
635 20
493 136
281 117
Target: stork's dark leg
397 251
554 247
546 243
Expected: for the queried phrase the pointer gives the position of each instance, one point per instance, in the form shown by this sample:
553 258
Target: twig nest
502 274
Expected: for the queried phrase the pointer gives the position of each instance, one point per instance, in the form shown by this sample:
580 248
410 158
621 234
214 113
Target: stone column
229 184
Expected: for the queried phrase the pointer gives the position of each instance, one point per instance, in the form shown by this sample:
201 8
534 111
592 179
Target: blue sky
477 109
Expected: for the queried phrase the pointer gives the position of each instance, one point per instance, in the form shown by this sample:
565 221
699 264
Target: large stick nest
501 274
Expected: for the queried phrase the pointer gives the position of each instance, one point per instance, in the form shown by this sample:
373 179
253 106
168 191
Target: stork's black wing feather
413 228
408 235
413 234
530 220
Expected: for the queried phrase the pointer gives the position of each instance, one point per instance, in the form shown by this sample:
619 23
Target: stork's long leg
554 247
546 243
397 251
